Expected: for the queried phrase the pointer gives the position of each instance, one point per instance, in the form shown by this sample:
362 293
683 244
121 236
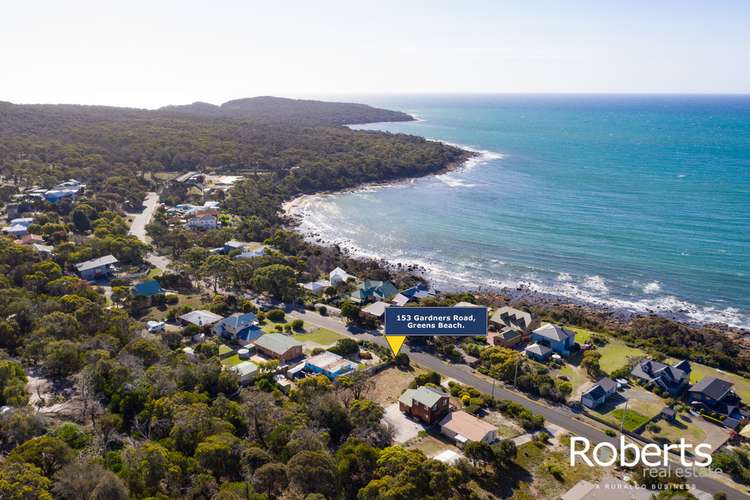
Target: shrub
275 315
297 324
323 310
610 433
171 299
402 360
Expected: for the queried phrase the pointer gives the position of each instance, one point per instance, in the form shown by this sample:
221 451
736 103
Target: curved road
558 415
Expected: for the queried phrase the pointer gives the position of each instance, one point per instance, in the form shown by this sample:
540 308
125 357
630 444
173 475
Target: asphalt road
561 416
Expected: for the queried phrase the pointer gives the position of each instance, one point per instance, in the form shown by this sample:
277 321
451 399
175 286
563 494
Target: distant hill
279 110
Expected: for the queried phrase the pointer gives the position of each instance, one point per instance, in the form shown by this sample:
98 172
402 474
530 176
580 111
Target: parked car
155 326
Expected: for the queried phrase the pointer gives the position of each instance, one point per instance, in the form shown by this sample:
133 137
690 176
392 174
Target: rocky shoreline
522 294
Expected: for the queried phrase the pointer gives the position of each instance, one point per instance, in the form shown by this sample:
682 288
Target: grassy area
322 336
684 427
231 360
576 376
633 420
224 349
614 355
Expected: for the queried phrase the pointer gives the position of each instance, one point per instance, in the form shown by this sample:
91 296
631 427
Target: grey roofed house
88 265
376 309
201 318
553 332
714 388
599 393
427 396
512 317
670 378
400 299
277 343
538 351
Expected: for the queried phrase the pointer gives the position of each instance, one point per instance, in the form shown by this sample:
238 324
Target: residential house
22 221
375 310
57 195
248 250
246 370
716 395
425 403
316 287
329 364
555 337
278 346
538 352
93 269
672 379
599 393
465 428
509 326
242 327
465 304
200 318
374 290
338 275
507 337
31 239
204 219
417 292
16 231
148 288
45 250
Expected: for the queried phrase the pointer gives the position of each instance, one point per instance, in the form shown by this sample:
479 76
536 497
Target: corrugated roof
201 318
467 425
277 343
553 332
423 394
94 263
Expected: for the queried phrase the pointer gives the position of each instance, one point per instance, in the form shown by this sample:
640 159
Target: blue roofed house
240 326
374 290
556 338
147 288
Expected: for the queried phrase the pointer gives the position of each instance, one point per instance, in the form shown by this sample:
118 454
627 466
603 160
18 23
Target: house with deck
428 404
555 337
671 378
203 219
98 268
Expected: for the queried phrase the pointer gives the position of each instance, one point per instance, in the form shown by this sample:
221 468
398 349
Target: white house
316 287
206 219
338 275
247 370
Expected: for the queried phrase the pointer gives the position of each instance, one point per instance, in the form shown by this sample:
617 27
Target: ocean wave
471 274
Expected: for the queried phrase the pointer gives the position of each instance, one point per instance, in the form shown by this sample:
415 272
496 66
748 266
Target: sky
152 53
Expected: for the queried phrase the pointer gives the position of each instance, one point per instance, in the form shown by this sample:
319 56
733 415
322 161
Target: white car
155 326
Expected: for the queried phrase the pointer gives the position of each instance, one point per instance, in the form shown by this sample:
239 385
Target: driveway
405 428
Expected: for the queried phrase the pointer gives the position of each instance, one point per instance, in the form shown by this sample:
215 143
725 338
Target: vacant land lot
231 360
390 383
642 406
322 336
685 426
614 355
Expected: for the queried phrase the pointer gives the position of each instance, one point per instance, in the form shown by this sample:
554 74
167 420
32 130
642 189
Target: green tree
313 472
62 358
23 481
279 280
12 384
590 362
221 454
218 270
271 478
46 452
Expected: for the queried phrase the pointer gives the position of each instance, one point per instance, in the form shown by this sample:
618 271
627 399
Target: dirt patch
390 383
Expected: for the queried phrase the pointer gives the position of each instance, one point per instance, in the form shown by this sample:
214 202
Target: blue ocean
634 202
